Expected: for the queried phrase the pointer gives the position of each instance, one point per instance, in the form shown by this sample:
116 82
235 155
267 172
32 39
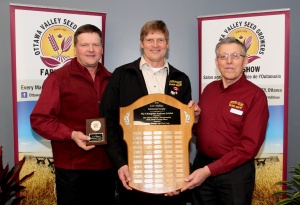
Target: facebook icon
23 94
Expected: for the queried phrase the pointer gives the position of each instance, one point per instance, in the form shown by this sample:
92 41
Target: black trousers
80 187
233 188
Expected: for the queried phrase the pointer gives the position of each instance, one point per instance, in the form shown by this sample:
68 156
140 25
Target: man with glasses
231 129
151 73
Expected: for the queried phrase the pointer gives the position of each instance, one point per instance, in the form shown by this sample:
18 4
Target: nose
155 43
229 59
91 47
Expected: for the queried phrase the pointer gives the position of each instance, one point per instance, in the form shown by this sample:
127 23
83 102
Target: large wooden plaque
157 129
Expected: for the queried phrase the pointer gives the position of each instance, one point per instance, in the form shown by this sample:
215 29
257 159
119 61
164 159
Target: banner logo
250 35
53 43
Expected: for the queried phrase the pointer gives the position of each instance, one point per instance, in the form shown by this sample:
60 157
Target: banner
266 36
41 41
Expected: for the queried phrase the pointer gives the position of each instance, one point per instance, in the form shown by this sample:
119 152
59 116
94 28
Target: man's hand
124 176
196 178
197 109
173 193
81 140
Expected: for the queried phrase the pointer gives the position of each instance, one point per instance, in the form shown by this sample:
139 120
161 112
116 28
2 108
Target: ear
141 44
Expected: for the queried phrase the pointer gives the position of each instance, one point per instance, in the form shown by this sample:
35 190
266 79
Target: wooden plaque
96 130
157 129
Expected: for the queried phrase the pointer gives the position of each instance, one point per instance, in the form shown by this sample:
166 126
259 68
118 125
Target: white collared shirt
155 78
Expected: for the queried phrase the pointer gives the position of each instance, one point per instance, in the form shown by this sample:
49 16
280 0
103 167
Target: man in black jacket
149 74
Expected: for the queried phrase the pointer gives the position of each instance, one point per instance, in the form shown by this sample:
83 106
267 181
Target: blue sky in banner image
274 137
28 140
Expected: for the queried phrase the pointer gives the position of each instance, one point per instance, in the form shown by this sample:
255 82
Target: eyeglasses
234 56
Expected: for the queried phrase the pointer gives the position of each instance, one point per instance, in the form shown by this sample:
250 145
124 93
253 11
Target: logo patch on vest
175 86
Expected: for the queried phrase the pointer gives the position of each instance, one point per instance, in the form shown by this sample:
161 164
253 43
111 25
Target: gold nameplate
157 129
96 130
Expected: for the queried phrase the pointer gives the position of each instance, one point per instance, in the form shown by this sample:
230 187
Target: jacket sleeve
43 118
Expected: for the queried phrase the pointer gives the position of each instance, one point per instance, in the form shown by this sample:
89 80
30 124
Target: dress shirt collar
144 63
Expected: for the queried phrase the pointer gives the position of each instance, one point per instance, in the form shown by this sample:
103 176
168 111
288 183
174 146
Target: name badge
235 111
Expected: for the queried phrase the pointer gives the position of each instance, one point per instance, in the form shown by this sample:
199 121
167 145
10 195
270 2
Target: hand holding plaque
96 130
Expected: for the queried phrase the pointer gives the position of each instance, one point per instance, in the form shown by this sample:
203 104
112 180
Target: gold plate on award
96 130
157 129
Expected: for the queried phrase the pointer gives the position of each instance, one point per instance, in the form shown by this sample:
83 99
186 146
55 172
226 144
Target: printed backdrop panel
41 41
266 37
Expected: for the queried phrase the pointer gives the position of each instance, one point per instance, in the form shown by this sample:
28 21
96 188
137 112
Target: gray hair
230 40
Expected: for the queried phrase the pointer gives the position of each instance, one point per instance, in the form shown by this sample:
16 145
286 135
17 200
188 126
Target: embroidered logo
236 104
175 83
175 86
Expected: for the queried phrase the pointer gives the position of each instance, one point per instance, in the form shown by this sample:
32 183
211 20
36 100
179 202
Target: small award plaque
96 130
